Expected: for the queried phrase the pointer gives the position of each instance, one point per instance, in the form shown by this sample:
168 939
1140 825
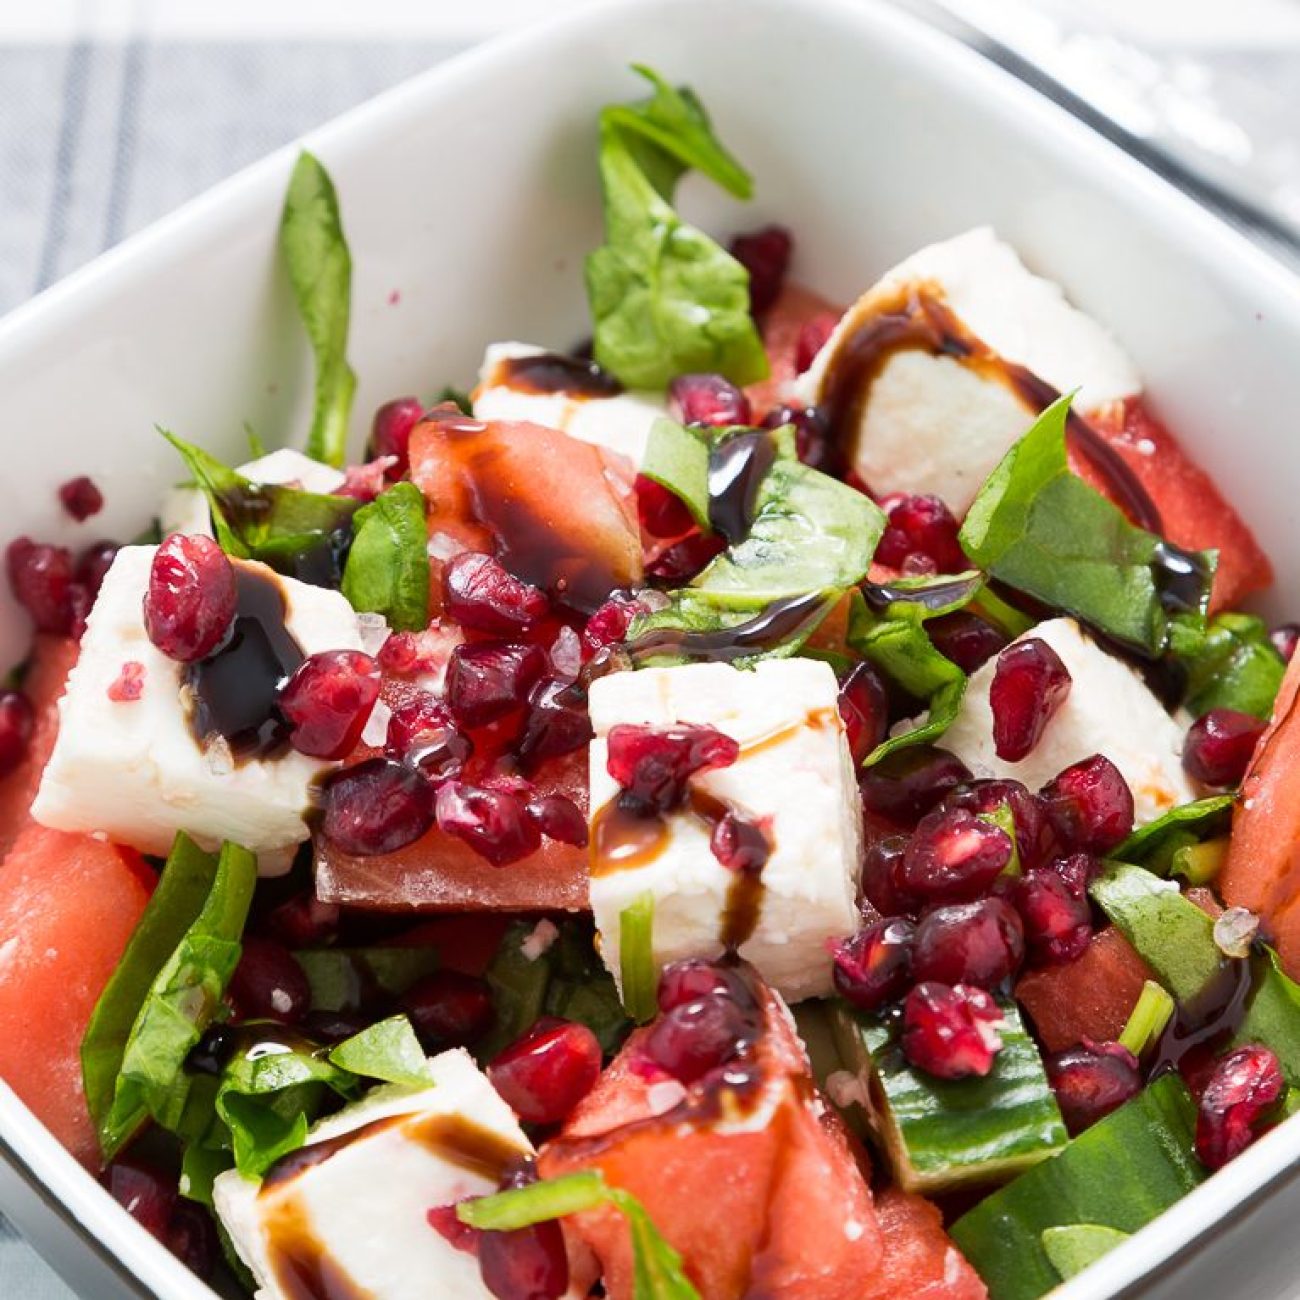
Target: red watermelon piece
920 1260
68 905
781 325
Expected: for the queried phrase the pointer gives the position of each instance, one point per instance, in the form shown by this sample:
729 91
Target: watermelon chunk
920 1260
68 905
794 308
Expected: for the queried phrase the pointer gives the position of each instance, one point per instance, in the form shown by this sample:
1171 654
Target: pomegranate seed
81 498
192 1237
82 602
1035 841
422 733
444 1220
684 559
1092 1080
490 679
1089 805
1244 1087
954 855
765 254
921 536
609 624
662 513
880 876
41 578
557 723
365 482
328 701
653 764
268 984
190 603
739 845
1285 637
813 336
16 723
449 1009
526 1264
479 592
494 823
145 1193
94 564
559 818
707 400
697 977
303 921
548 1071
812 435
390 432
874 966
1218 747
1029 685
128 685
979 943
407 654
698 1036
965 638
951 1032
1053 904
908 783
864 706
376 807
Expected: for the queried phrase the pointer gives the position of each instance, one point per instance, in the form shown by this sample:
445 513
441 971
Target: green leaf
677 458
1043 531
388 567
201 1166
388 1050
640 977
1077 1246
1235 666
665 299
343 979
320 270
1153 846
458 397
656 1265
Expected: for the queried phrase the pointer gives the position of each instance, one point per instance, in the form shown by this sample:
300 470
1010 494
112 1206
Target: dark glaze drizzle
920 321
1215 1015
220 1044
737 468
1182 578
235 689
553 372
781 621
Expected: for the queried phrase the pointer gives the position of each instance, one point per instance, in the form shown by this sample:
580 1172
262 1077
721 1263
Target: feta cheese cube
795 776
620 423
132 768
185 509
940 423
1109 711
361 1214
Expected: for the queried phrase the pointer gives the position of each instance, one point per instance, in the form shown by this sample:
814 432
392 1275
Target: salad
774 800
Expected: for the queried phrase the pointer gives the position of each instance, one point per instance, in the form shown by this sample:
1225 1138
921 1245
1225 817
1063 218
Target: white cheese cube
1109 711
940 424
133 769
620 423
185 509
362 1212
794 776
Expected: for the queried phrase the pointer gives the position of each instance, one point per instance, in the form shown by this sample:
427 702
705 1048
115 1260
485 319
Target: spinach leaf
677 458
1153 846
344 979
320 271
387 1050
665 299
1045 532
1075 1246
1236 666
388 567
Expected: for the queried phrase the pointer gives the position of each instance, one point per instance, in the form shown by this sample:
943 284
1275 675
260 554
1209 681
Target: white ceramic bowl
472 192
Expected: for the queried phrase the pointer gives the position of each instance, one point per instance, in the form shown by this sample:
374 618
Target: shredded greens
388 566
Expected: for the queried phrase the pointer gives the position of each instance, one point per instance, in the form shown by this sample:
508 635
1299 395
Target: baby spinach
342 979
387 1050
1153 846
320 270
665 299
388 566
1043 531
1236 666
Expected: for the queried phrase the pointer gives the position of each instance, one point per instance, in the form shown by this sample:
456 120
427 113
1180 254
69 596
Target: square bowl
470 196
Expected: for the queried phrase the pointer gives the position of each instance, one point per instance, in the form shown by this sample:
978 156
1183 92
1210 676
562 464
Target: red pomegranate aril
526 1264
81 602
488 680
954 855
421 733
1092 1080
16 723
1030 683
548 1071
390 431
192 1237
1035 841
444 1220
813 336
303 921
812 435
765 254
449 1009
1089 805
268 983
1053 905
880 877
980 943
864 706
698 1036
684 559
190 602
609 624
1285 637
920 527
1245 1087
693 978
951 1032
907 784
874 966
965 638
662 513
376 807
709 400
95 562
41 578
1218 746
81 498
479 592
559 818
328 701
739 845
145 1193
557 722
494 823
654 764
366 481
